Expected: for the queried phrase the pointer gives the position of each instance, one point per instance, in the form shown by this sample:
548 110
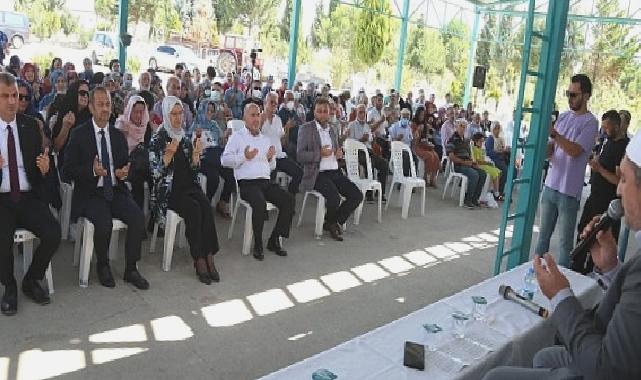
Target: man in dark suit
97 161
318 151
603 343
23 166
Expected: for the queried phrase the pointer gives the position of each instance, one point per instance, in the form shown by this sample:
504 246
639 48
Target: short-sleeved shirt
357 130
401 129
566 173
610 157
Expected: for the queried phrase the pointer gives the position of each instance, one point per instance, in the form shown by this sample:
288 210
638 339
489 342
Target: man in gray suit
605 343
318 151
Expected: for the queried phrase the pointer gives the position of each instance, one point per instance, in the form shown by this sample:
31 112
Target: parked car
16 26
165 58
103 47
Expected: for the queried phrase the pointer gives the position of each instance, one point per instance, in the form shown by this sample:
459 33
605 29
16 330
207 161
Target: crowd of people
112 139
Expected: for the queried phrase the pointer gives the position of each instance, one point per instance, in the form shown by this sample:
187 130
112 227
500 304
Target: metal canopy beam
401 52
571 17
472 54
123 16
293 44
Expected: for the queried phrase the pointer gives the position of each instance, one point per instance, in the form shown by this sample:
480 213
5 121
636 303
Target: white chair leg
423 200
461 197
401 198
447 183
66 212
407 197
49 278
320 217
78 243
389 195
359 210
249 232
170 237
302 209
234 213
154 236
86 254
380 204
27 254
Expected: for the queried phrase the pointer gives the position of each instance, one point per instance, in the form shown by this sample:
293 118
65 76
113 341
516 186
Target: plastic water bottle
529 284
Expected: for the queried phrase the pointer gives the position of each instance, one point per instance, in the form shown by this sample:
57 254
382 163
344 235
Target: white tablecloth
517 334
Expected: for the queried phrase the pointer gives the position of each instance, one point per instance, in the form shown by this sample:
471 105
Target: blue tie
107 186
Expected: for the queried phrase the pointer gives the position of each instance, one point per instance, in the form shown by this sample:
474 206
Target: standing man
603 343
359 130
22 198
234 98
318 152
569 147
272 128
252 156
97 160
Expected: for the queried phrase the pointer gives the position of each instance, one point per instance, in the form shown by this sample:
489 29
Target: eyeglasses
24 97
571 95
83 93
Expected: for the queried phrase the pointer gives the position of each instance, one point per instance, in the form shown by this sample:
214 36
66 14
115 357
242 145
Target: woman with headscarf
423 148
30 75
58 91
74 111
175 164
134 124
213 139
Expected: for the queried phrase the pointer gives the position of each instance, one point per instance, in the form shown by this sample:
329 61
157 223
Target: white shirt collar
13 124
97 129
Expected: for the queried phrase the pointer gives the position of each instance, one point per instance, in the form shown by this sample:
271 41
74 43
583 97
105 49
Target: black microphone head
615 209
504 290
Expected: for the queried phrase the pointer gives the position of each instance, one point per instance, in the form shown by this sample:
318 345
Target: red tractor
231 56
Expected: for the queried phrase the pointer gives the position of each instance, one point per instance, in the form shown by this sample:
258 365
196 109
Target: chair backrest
235 125
351 148
398 147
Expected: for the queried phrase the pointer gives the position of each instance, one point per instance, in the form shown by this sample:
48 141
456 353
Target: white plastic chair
26 238
407 183
235 125
352 147
320 212
454 179
84 247
173 223
248 234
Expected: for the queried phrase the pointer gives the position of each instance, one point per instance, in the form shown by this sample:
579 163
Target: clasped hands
100 171
42 161
327 151
251 153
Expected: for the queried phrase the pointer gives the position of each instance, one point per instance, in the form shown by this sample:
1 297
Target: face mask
207 93
128 83
404 122
297 96
215 96
290 105
257 94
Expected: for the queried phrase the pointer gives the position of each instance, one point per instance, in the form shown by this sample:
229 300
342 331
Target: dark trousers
475 182
31 214
193 206
257 192
502 166
100 212
332 184
213 170
406 163
292 169
138 188
596 204
378 163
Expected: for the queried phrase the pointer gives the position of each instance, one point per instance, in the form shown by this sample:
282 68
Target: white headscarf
633 151
168 103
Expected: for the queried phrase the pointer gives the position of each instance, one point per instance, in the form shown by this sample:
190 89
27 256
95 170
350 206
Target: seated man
401 131
603 343
22 198
458 150
272 128
361 131
252 156
97 160
318 152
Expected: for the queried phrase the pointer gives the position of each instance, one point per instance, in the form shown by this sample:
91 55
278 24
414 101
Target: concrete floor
263 315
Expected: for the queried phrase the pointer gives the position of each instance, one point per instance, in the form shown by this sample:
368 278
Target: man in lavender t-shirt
571 141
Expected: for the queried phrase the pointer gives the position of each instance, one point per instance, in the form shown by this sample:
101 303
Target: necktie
107 186
14 182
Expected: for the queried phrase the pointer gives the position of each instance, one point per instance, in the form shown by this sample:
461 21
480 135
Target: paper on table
443 362
484 335
463 350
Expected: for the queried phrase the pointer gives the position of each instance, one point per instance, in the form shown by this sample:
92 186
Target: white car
165 58
103 47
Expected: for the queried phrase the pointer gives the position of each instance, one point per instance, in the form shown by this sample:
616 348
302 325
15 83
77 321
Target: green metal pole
123 15
401 52
536 147
293 43
472 54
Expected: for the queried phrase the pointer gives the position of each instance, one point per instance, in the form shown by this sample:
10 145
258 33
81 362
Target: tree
484 46
372 32
47 17
250 13
285 24
433 52
107 9
455 38
165 19
316 25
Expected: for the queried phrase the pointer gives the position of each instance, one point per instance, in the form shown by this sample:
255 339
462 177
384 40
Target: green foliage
372 32
107 9
165 19
133 64
456 40
484 46
45 16
43 61
249 13
84 37
285 24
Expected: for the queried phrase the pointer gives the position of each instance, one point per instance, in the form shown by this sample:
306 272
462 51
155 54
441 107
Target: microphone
509 294
614 213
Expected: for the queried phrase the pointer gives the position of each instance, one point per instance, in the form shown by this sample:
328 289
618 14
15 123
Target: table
516 335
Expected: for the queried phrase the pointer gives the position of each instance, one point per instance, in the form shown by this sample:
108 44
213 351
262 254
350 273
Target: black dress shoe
136 279
202 272
32 289
211 268
9 304
274 246
105 277
335 232
258 253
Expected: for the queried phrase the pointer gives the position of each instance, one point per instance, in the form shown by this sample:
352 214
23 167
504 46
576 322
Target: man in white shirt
272 127
253 156
318 152
402 131
448 129
359 130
